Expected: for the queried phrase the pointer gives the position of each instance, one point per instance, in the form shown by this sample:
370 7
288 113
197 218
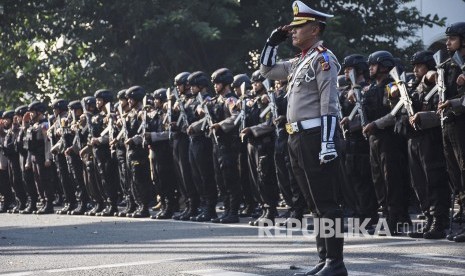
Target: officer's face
347 71
419 70
218 87
132 103
453 43
100 102
257 86
123 102
303 36
182 88
238 91
373 69
33 114
195 90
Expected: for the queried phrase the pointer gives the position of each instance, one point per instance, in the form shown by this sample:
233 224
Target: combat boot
30 208
142 212
130 207
181 214
192 211
209 212
419 233
247 211
255 222
110 211
168 212
437 230
460 237
459 217
233 212
67 208
225 212
46 209
98 207
79 210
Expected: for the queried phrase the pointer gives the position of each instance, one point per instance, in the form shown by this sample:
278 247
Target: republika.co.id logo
332 228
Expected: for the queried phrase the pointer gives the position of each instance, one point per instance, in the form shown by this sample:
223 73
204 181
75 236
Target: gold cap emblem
296 8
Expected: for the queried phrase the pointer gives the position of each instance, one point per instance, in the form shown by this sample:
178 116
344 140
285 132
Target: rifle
405 100
242 115
207 119
168 118
124 132
440 83
358 108
143 126
182 116
271 107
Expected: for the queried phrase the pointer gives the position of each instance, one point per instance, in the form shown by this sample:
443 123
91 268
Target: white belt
307 124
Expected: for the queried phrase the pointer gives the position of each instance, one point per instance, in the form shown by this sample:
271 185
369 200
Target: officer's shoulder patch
324 64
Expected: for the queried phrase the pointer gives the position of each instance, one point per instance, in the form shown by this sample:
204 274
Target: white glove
328 152
328 149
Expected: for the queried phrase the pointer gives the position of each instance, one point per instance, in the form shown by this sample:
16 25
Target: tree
71 48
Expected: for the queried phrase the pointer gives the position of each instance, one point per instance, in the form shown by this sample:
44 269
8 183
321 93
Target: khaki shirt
312 89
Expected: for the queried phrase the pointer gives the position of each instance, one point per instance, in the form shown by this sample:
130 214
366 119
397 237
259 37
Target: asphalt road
80 245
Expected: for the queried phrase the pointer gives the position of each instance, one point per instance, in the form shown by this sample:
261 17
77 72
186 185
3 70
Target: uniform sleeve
279 71
227 125
429 119
385 121
48 145
327 83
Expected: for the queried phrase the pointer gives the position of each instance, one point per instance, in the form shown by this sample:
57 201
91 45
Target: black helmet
256 76
456 29
160 94
181 78
222 75
198 78
383 58
121 94
88 102
104 94
423 57
21 110
37 107
136 93
73 105
60 104
240 79
8 114
356 61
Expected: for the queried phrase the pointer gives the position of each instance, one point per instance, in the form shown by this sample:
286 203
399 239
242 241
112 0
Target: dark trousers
42 177
250 194
64 178
183 168
16 179
286 181
138 164
106 169
201 161
163 164
358 172
428 172
389 170
75 167
225 162
453 135
261 166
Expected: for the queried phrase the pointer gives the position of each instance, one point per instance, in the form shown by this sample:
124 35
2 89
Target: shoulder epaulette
321 49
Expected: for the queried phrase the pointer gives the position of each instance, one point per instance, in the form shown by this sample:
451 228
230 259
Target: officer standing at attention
312 120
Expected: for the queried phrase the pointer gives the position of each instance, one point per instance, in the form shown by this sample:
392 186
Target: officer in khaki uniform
312 123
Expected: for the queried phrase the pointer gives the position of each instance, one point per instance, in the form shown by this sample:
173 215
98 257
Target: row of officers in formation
401 131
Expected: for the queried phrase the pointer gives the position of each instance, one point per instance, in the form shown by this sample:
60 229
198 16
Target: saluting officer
312 116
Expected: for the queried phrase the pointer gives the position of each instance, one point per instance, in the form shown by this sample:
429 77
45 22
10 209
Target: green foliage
71 48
